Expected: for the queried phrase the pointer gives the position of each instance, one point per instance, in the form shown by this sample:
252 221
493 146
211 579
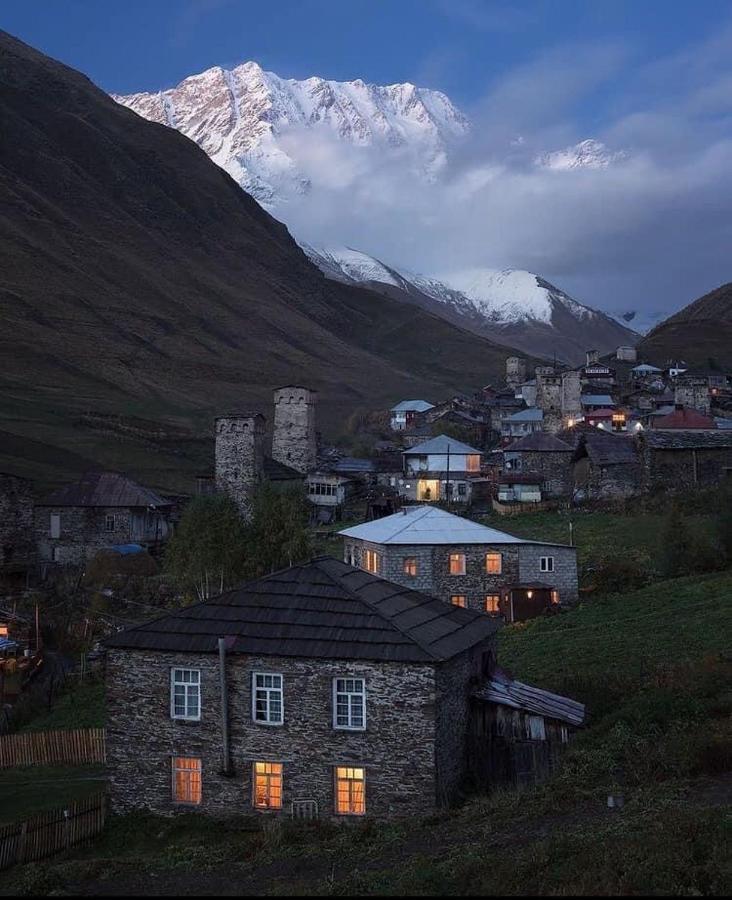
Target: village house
328 493
678 459
516 488
318 691
545 457
403 414
525 421
440 469
605 466
101 511
464 563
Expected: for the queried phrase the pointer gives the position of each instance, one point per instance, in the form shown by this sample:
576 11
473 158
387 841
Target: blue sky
651 79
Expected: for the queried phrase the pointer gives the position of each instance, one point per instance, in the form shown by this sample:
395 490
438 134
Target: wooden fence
51 832
50 748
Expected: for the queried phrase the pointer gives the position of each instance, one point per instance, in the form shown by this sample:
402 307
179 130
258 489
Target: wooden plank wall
48 748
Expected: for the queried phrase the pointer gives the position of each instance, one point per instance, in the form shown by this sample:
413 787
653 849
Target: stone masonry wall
397 749
683 469
564 576
16 518
294 440
239 457
554 468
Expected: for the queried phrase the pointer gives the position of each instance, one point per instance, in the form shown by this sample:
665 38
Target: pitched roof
688 440
278 471
539 441
644 368
412 406
429 525
527 415
440 444
104 489
502 689
606 449
596 400
684 418
323 609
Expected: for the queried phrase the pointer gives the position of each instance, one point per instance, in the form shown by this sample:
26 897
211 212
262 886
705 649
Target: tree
278 534
208 550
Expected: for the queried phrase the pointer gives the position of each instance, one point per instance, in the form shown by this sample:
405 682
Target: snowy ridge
587 154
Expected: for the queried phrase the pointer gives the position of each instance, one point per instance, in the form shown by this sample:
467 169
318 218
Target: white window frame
186 685
175 769
350 695
349 781
546 563
268 692
373 556
268 777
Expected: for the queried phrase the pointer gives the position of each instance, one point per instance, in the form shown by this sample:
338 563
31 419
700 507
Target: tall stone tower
571 397
515 371
240 457
592 357
692 391
549 397
293 440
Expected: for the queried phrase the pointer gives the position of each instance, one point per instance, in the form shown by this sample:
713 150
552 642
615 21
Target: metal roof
644 367
323 609
104 489
502 689
412 406
441 444
538 441
597 400
684 418
429 525
527 415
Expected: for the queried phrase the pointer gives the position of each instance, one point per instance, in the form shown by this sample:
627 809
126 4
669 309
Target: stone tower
549 397
293 440
240 457
692 391
515 371
592 357
571 397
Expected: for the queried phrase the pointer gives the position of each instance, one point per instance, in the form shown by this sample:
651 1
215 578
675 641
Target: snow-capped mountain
510 306
253 123
589 154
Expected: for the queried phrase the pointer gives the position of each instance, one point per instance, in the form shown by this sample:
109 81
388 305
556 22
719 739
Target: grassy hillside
651 667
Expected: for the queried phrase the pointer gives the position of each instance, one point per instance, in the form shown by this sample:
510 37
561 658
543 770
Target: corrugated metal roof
323 609
412 406
102 489
502 689
440 444
597 400
429 525
527 415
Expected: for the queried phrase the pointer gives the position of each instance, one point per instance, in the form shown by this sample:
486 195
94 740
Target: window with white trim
349 704
187 781
546 563
493 563
350 790
267 792
372 561
268 706
185 694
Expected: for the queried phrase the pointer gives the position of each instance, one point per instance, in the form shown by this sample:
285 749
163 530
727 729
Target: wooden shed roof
502 689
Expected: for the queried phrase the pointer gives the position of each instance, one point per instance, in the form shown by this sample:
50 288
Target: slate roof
430 525
440 445
502 689
605 449
104 489
688 440
324 609
412 406
539 441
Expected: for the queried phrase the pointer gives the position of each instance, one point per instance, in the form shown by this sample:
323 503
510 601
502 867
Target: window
350 791
267 785
493 563
457 563
350 556
185 694
372 561
186 779
555 597
472 463
546 563
267 700
109 523
458 600
410 565
462 489
491 603
349 703
55 525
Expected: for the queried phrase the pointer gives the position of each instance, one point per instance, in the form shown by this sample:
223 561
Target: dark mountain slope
700 333
137 278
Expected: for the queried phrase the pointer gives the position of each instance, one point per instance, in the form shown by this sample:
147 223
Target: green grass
80 706
30 790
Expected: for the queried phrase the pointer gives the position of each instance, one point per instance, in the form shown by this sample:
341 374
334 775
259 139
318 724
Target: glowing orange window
493 563
186 779
268 785
491 603
350 791
410 565
457 563
458 600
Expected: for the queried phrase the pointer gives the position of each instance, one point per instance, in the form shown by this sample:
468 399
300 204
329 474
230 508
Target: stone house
544 456
605 466
441 468
462 562
328 493
403 413
318 691
525 421
17 542
102 510
685 459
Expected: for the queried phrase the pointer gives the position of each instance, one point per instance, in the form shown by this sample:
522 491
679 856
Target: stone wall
693 393
16 519
293 440
549 397
515 371
684 469
554 467
398 748
564 576
239 457
571 396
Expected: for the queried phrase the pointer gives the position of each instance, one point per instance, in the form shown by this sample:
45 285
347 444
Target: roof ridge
425 511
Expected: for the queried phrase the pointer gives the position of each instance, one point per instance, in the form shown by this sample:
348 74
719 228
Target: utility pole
447 482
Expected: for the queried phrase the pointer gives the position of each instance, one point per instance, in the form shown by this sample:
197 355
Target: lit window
185 694
267 785
472 463
491 603
350 791
109 523
267 699
349 703
546 563
372 561
458 600
555 596
186 779
457 563
493 563
410 565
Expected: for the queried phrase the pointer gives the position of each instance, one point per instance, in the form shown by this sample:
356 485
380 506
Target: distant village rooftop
412 406
538 442
104 489
440 445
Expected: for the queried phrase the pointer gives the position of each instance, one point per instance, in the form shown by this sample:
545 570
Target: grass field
80 706
27 791
651 666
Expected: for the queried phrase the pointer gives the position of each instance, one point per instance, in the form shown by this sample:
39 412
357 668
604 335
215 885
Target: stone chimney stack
240 457
293 440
